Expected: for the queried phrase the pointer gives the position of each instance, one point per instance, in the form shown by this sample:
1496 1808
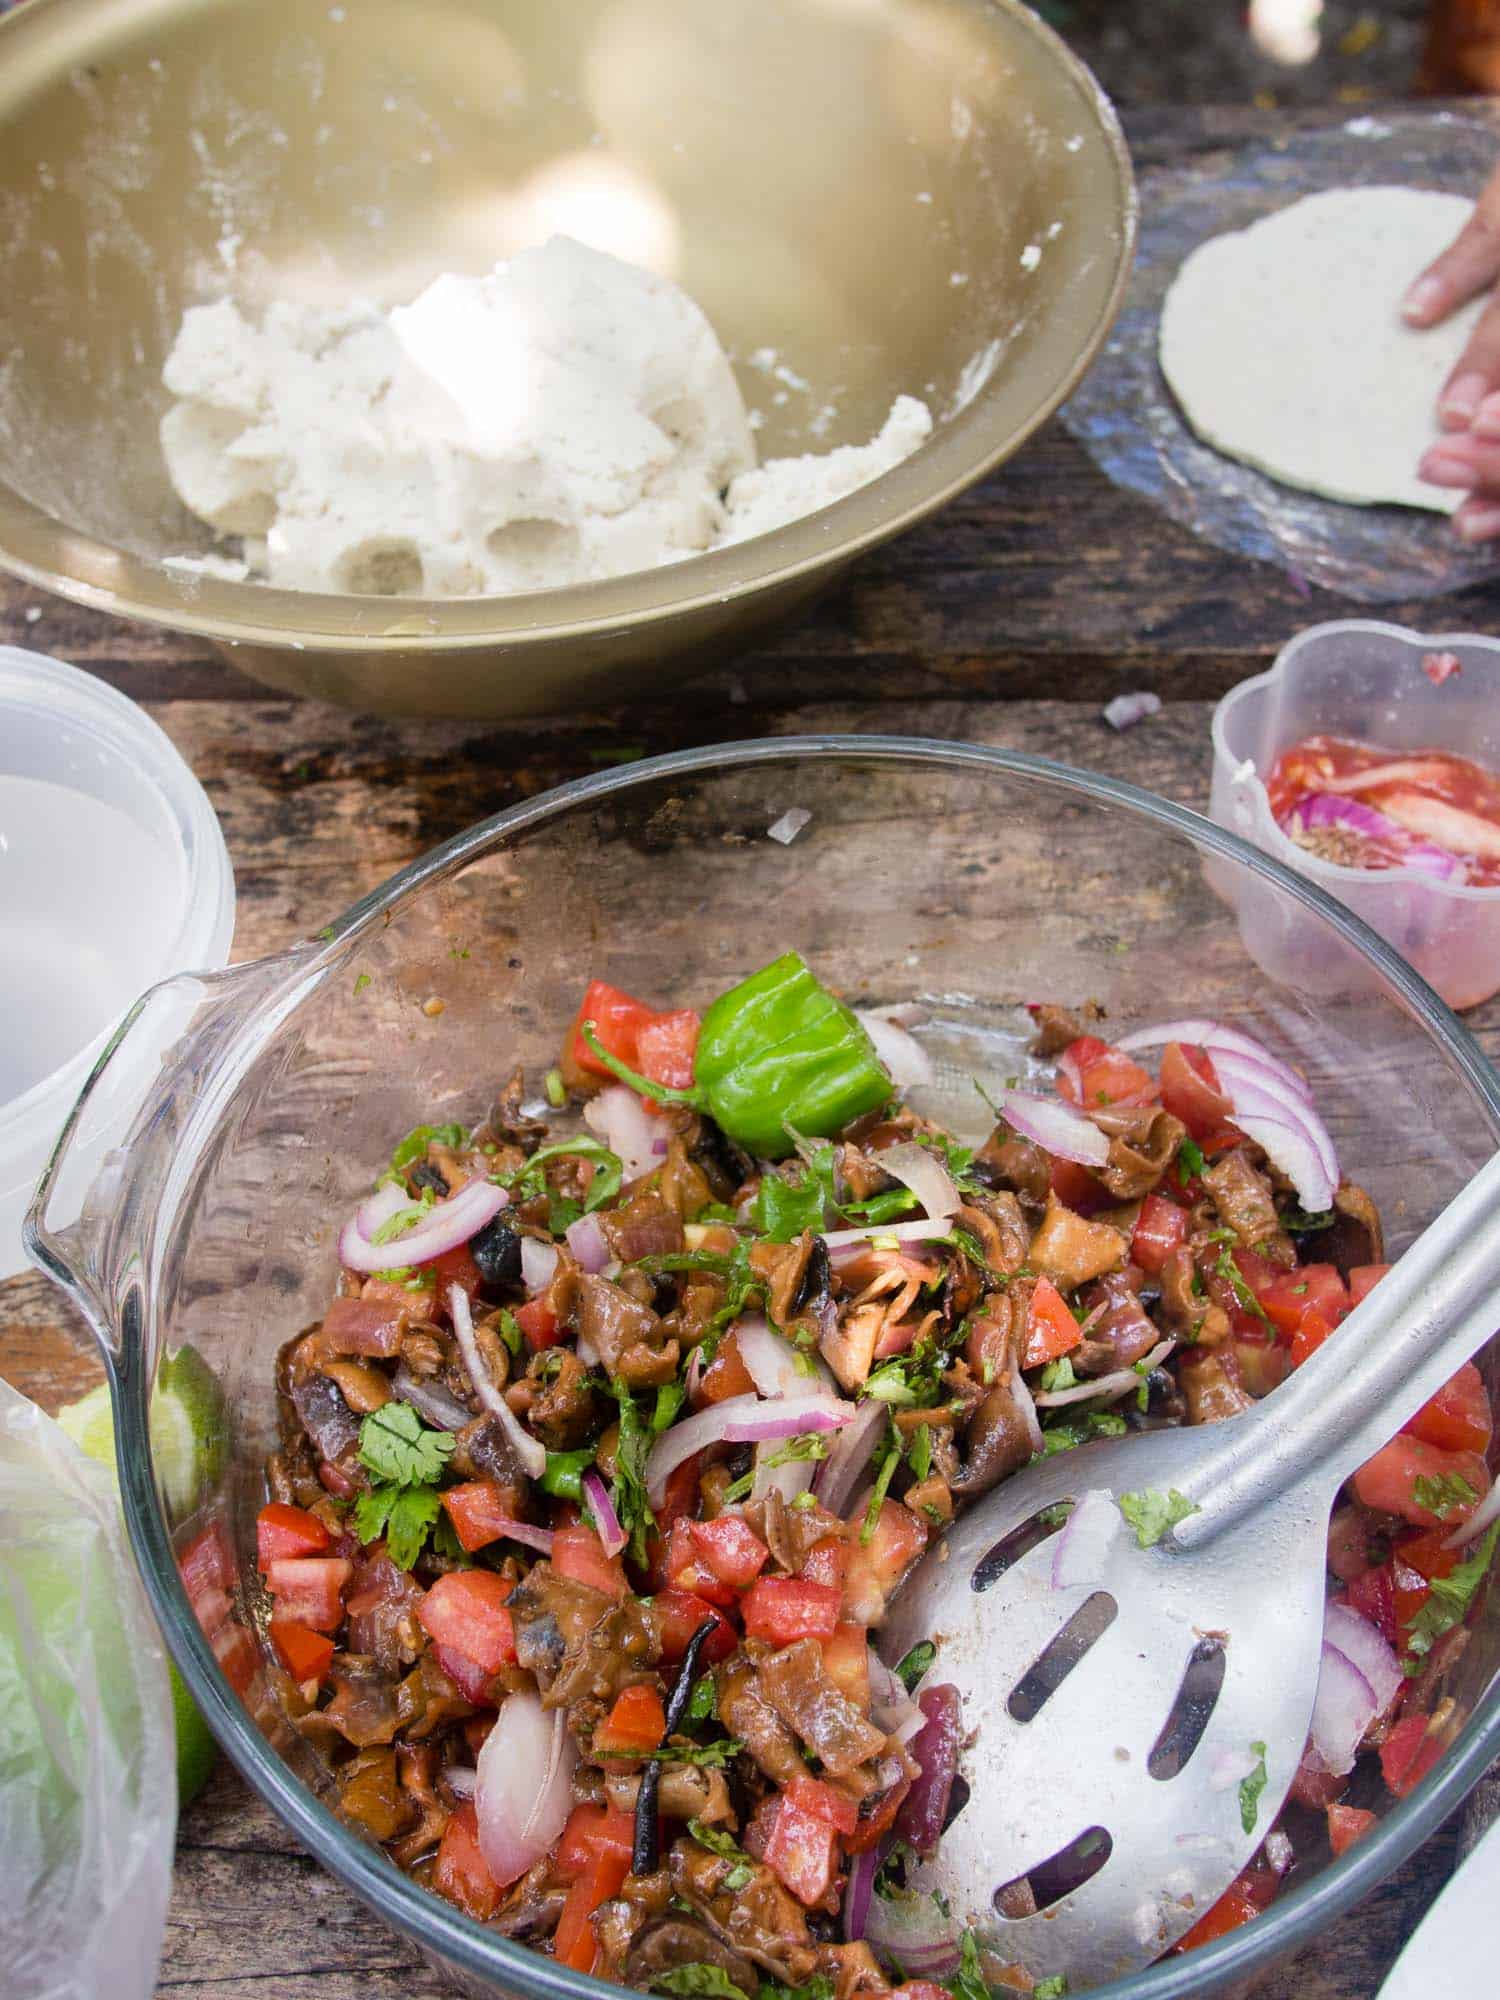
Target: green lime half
90 1424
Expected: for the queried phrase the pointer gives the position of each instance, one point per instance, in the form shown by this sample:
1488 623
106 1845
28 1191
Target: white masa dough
1285 346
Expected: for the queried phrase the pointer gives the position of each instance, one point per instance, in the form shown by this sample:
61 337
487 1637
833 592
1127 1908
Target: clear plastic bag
88 1790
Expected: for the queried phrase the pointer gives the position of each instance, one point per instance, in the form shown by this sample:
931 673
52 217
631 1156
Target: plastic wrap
88 1792
1129 422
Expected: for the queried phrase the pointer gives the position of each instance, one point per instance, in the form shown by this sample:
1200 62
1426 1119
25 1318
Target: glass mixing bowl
973 880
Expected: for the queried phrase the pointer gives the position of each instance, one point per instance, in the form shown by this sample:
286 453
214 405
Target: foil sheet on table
1127 419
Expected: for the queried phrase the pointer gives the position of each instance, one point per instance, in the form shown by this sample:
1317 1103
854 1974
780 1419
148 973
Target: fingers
1476 374
1466 267
1469 463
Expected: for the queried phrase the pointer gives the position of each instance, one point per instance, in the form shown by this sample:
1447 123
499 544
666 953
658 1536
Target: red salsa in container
1360 806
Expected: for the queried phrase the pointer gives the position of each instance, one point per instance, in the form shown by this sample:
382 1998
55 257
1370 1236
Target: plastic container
113 875
967 879
1358 677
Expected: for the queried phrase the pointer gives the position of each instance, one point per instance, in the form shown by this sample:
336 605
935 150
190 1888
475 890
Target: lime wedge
180 1461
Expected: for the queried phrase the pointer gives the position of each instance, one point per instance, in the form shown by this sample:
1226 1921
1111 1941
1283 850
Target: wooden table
1009 621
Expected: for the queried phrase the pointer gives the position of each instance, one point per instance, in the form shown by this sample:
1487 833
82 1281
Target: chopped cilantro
697 1977
403 1514
1153 1514
628 1489
969 1982
403 1220
808 1445
1442 1494
703 1700
397 1446
1079 1429
883 1477
1055 1988
1251 1787
1059 1375
669 1400
509 1329
445 1543
362 980
910 1668
415 1144
1450 1598
1295 1223
712 1756
919 1451
530 1181
1190 1162
1230 1272
887 1207
716 1841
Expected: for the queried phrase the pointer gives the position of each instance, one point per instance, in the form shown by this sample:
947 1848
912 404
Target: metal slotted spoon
1108 1718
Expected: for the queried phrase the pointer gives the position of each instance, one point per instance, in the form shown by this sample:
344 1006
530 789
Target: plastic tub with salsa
1368 759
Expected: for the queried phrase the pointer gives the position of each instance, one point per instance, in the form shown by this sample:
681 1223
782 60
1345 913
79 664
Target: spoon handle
1431 1312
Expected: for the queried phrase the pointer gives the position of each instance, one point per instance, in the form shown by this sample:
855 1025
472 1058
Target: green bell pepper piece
563 1476
776 1054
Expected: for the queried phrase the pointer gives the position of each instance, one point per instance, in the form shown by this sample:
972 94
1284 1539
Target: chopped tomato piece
1364 1278
681 1499
1190 1089
457 1267
1346 1824
824 1802
1076 1188
802 1852
826 1561
309 1590
281 1530
1458 1417
577 1552
460 1872
785 1608
465 1612
725 1376
1312 1331
1245 1898
618 1020
877 1815
1373 1595
588 1829
1408 1754
1093 1074
665 1047
1160 1228
731 1549
876 1567
474 1682
635 1725
367 1325
1387 1481
538 1322
686 1570
602 1877
205 1564
1051 1329
306 1655
1287 1297
235 1652
478 1513
678 1616
1427 1555
846 1660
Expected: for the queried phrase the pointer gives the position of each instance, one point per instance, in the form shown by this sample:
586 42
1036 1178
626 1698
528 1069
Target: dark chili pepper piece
496 1249
422 1176
645 1846
817 1279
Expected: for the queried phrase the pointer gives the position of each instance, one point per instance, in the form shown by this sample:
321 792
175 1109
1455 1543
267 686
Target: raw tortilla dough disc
1285 346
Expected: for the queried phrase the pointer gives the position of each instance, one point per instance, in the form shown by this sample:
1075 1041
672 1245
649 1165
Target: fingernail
1463 397
1486 422
1424 298
1440 468
1477 524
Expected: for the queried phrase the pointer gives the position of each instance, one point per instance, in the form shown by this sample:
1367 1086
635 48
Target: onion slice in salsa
1056 1127
447 1225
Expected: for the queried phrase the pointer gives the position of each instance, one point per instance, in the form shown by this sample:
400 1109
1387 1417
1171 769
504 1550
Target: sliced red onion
788 1479
1326 809
1214 1036
380 1207
1280 1853
538 1264
1478 1521
1231 1767
588 1243
772 1363
913 1932
539 1539
1126 710
523 1786
1057 1128
621 1120
790 824
925 1807
1364 1647
891 1706
531 1452
1025 1404
1082 1547
921 1169
908 1062
1069 1066
1344 1709
461 1779
1253 1097
606 1520
1119 1383
435 1404
841 1242
694 1375
739 1420
446 1226
835 1479
863 1868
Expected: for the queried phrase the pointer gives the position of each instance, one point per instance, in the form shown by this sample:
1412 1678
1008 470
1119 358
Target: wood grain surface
1008 622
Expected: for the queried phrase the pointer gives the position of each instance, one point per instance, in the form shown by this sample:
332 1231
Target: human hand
1467 457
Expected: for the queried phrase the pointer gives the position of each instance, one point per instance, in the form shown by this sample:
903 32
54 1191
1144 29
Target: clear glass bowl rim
426 1919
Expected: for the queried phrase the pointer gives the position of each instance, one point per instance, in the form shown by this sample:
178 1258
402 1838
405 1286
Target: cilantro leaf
712 1756
530 1180
1055 1988
809 1444
919 1452
888 1463
782 1208
403 1514
1080 1428
1251 1787
1230 1272
969 1982
1442 1494
910 1668
1153 1514
1059 1374
628 1488
1190 1162
414 1147
703 1701
697 1977
1450 1598
887 1207
396 1445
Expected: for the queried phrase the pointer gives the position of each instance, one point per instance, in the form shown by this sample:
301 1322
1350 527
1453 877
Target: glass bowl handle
90 1224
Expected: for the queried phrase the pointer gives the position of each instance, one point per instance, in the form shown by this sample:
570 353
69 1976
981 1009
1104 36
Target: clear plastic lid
1360 678
113 875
